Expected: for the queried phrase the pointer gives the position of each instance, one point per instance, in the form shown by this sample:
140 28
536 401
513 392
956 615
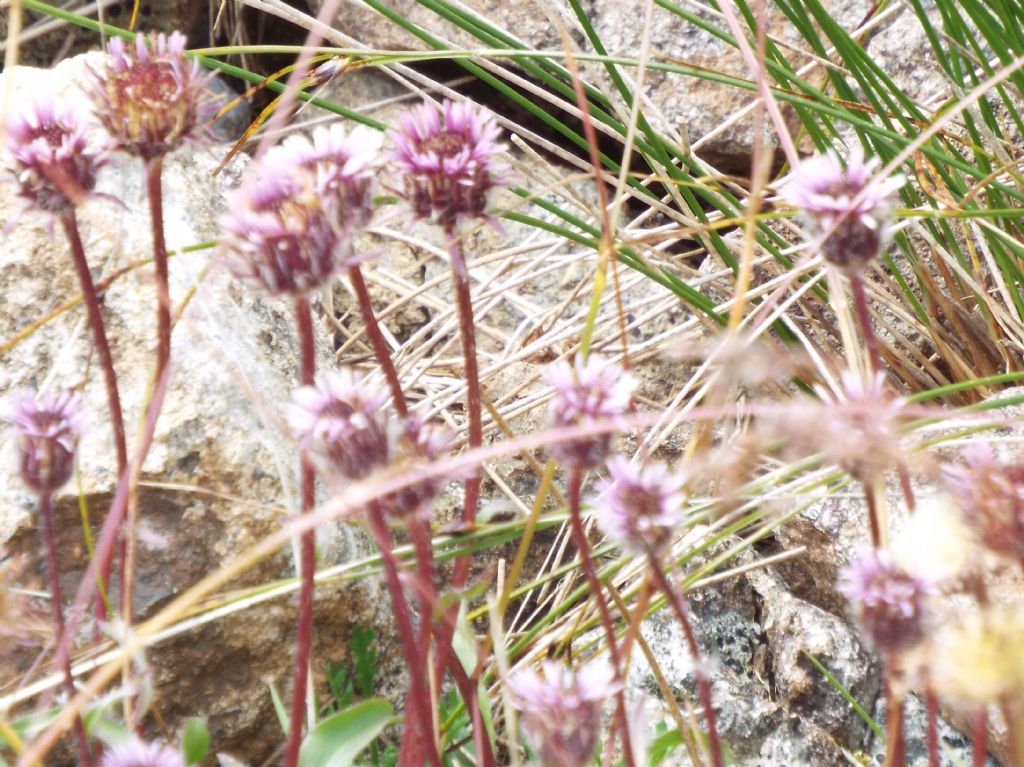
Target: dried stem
49 540
90 298
587 562
307 551
678 602
419 707
380 344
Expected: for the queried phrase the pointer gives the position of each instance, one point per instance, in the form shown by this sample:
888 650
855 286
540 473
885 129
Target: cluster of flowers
901 596
291 227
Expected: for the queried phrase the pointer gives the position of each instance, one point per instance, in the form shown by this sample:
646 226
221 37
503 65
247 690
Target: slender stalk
380 344
860 305
90 298
307 551
874 521
895 745
471 493
678 602
419 715
154 188
979 736
932 710
587 562
467 332
153 171
49 540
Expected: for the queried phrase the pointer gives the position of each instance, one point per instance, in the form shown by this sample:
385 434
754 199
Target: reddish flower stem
979 734
419 707
895 745
474 399
49 540
154 188
307 551
678 602
596 589
153 171
932 710
90 298
860 303
873 512
377 340
471 494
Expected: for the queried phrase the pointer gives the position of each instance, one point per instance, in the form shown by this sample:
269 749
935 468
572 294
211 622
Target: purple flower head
448 159
54 166
586 391
345 168
139 753
887 601
341 423
825 190
640 505
990 496
279 233
149 95
561 709
48 424
861 429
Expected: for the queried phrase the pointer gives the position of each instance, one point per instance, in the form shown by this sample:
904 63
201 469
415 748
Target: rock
220 476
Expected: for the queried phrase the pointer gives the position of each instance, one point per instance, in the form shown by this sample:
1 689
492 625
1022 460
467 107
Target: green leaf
195 740
282 713
339 739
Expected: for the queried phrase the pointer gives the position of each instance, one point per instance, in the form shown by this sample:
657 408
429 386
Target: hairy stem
678 602
90 298
380 344
307 551
587 563
979 735
471 494
895 745
420 709
860 304
932 704
49 541
153 169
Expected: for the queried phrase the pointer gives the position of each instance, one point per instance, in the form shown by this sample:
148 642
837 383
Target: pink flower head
54 166
861 429
48 425
588 390
291 226
345 168
990 495
640 505
448 159
561 709
842 202
149 95
278 233
887 601
342 424
139 753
